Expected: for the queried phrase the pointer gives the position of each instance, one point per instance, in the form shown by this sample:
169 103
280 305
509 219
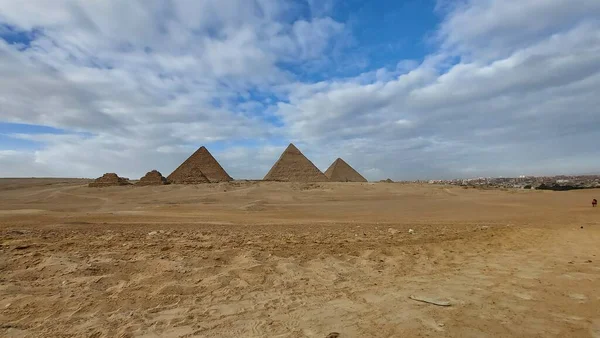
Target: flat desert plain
266 259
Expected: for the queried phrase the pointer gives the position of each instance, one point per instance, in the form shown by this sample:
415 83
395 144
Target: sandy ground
249 259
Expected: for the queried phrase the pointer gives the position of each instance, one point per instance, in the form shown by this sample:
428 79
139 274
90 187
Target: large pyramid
201 167
293 166
340 171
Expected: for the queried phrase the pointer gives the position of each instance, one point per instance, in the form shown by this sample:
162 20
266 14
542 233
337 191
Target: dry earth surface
250 259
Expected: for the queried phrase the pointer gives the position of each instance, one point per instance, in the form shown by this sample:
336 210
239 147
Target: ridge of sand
293 166
341 171
201 167
109 180
153 177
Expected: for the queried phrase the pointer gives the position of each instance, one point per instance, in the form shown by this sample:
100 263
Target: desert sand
274 259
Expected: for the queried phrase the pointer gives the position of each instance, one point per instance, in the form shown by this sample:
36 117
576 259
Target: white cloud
143 75
495 28
512 89
525 100
100 64
23 164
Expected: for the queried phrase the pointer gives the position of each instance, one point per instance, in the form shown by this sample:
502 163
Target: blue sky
401 89
388 31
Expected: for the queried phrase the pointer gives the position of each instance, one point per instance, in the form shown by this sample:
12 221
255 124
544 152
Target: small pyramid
201 167
108 180
340 171
293 166
153 177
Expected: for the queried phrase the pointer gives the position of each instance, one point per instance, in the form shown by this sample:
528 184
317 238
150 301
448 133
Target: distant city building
560 182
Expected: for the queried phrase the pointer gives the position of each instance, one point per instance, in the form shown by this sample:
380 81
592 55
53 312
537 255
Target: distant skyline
414 89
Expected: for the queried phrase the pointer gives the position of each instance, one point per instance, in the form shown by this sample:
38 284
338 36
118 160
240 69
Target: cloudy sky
403 89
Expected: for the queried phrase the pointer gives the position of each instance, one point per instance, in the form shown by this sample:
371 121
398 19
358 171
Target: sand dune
269 259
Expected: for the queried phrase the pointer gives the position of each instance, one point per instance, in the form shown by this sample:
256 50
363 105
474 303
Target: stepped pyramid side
340 171
153 177
109 180
293 166
201 167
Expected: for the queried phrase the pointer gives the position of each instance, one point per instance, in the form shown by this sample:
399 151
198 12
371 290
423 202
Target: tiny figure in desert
594 203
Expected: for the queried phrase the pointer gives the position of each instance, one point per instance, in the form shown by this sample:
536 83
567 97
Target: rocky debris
153 177
109 180
340 171
293 166
392 231
201 167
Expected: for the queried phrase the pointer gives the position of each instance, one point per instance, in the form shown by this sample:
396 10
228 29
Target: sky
405 89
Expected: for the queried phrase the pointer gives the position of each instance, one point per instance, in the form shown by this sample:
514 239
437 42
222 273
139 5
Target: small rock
582 227
152 233
411 231
589 261
333 335
392 231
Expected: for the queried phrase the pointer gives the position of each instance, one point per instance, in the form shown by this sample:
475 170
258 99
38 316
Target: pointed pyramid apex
291 148
340 171
198 168
293 166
